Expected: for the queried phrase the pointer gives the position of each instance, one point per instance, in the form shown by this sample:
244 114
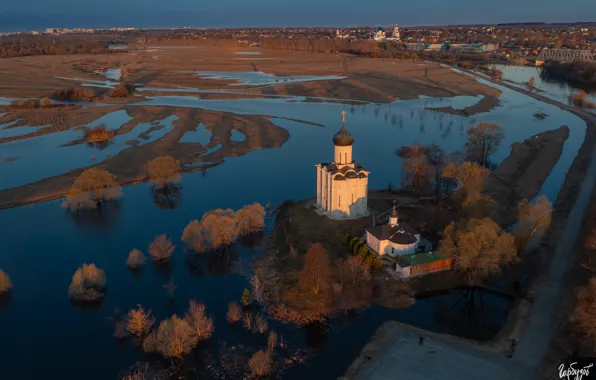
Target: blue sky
227 13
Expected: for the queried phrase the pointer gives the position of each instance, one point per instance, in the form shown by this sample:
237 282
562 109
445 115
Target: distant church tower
342 185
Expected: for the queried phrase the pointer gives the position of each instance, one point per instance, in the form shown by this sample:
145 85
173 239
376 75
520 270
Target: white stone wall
401 249
343 155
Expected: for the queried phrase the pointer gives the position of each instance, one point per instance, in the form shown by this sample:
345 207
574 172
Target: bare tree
479 248
355 269
250 219
534 219
135 259
470 178
139 321
91 188
258 290
247 319
415 166
584 315
483 140
234 312
88 284
161 248
164 171
531 84
496 73
272 340
261 323
315 274
5 284
260 363
197 319
193 236
173 339
220 228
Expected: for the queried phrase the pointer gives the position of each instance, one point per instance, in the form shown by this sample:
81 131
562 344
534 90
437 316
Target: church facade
342 185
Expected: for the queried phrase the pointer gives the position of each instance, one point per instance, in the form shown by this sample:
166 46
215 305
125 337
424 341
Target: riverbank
162 67
129 164
531 324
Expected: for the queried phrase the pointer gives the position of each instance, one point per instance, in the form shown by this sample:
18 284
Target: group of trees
51 47
95 186
580 99
367 257
427 166
357 47
578 72
173 337
74 93
218 229
99 133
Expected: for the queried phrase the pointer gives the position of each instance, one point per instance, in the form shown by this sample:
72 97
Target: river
42 244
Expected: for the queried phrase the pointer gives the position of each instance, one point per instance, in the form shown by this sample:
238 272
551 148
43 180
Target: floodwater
259 79
113 73
555 90
248 52
42 244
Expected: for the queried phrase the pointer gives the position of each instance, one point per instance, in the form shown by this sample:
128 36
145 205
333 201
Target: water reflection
105 216
167 198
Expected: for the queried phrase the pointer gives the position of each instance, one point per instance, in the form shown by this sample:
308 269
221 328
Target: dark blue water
42 245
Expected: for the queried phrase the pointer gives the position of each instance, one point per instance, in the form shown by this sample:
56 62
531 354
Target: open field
376 80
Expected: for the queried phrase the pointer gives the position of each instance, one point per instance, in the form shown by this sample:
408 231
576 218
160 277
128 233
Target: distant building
379 35
342 185
396 35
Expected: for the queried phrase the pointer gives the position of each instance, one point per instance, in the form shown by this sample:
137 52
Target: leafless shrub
5 284
234 312
91 188
164 171
121 91
260 363
135 259
261 323
258 290
161 248
193 236
580 99
72 93
247 320
250 219
272 340
88 284
139 321
133 374
99 133
220 228
173 339
584 314
200 323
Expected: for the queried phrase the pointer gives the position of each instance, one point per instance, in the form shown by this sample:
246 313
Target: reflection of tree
222 262
316 334
101 145
5 300
252 240
194 264
471 313
103 216
167 198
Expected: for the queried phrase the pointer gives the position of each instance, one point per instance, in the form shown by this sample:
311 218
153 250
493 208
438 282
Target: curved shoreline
524 323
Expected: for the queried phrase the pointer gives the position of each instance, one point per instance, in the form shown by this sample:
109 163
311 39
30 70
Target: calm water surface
42 244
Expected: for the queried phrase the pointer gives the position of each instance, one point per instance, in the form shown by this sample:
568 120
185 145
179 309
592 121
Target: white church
342 193
342 185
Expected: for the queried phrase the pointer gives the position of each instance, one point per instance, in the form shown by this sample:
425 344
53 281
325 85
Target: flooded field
43 244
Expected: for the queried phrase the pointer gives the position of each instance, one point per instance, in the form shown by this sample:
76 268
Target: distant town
504 41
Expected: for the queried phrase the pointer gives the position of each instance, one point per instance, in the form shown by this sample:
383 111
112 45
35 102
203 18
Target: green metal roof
422 258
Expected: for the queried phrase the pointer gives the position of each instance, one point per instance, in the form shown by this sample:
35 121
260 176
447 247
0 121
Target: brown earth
485 105
378 80
522 174
259 131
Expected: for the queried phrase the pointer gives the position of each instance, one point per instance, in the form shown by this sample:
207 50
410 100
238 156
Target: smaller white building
393 239
396 35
